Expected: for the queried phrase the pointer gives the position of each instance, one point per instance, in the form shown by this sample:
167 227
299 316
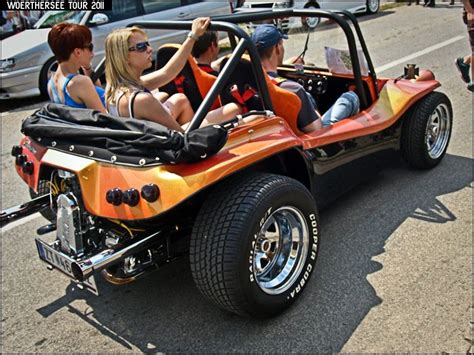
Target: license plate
62 263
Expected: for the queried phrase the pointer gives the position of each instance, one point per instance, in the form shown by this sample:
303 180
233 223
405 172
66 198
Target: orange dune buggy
125 197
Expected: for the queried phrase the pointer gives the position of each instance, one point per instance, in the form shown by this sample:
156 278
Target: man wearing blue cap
269 42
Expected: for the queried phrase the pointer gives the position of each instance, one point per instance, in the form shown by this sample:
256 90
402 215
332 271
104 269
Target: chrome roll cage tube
336 16
228 23
244 44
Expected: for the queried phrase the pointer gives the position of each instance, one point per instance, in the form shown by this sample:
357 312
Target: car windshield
51 18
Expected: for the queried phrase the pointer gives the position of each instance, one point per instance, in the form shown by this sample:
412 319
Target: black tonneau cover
119 140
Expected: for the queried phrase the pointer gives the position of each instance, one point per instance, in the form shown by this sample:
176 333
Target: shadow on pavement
165 312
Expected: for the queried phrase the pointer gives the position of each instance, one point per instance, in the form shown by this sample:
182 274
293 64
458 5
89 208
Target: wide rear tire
254 244
43 189
427 130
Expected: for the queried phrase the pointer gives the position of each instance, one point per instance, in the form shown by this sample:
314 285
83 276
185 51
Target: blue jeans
346 105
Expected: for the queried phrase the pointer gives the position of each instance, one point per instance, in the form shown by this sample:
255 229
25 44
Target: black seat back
184 82
241 87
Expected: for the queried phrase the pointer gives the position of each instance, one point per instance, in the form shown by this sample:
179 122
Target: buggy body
247 214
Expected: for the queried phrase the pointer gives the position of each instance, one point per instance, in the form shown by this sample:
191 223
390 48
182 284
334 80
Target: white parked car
27 60
354 6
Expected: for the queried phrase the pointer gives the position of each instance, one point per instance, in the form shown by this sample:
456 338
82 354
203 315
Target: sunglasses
90 47
140 47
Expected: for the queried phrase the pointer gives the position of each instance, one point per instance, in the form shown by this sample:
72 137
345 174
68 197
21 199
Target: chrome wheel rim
373 5
437 131
280 250
310 22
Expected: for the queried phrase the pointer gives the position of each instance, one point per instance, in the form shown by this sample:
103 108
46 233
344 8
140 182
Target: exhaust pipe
24 210
83 269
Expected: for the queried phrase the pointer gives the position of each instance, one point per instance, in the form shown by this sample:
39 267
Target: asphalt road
393 273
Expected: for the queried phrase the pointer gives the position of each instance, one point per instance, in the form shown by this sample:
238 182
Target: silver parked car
354 6
27 61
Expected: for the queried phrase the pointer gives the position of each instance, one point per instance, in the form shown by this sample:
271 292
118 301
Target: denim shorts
346 105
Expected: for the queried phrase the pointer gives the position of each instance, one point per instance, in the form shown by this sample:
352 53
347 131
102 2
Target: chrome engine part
69 230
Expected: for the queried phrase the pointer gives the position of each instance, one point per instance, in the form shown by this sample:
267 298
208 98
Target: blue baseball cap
266 36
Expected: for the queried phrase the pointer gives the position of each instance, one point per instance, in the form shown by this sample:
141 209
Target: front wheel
373 6
254 244
427 130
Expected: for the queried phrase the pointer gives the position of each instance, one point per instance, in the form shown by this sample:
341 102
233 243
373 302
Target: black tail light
17 150
114 196
131 197
28 168
150 192
21 159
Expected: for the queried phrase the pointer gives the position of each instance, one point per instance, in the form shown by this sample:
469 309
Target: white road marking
406 59
20 222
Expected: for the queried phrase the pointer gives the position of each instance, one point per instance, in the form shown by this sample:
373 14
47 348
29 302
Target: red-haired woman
73 48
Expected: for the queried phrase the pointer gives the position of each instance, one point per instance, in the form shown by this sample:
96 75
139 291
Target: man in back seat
269 42
205 51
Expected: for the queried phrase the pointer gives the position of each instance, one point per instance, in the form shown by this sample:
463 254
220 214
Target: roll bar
228 23
336 16
355 23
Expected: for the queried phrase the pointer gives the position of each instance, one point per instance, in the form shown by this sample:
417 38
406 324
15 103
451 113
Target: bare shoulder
142 103
146 106
82 81
145 98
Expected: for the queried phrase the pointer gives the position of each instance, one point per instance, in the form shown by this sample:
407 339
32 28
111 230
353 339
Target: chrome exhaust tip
83 269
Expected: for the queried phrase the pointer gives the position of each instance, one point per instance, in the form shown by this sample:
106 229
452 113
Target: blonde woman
127 93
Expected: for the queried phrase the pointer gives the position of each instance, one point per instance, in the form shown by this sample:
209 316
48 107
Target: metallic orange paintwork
176 182
34 152
394 100
247 144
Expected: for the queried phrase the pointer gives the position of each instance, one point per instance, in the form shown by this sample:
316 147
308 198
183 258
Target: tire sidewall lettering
313 228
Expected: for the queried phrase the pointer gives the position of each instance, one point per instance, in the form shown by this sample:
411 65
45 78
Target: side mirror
99 19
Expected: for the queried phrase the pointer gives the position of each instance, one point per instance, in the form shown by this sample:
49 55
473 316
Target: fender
396 97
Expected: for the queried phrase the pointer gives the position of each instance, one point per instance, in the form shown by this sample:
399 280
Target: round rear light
114 196
150 192
28 167
16 150
20 159
131 197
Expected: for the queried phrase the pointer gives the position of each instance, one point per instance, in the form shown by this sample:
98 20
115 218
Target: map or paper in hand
339 61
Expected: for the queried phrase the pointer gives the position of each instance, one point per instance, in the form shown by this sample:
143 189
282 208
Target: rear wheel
254 244
44 189
427 130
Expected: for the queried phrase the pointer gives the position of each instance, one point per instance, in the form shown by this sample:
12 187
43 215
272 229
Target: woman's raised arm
164 75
